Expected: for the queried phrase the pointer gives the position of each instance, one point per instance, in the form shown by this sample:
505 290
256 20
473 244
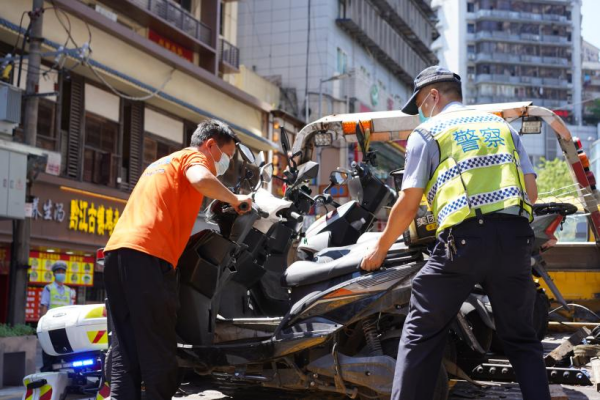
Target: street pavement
461 390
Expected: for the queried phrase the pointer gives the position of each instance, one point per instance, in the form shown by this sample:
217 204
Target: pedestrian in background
55 294
480 184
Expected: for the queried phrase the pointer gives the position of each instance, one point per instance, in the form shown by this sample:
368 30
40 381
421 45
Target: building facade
122 84
375 47
338 56
514 50
591 84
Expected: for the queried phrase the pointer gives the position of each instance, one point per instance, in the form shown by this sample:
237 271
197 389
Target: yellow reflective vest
56 298
479 170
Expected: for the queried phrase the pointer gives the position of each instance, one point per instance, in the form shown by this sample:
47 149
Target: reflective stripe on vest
478 171
56 298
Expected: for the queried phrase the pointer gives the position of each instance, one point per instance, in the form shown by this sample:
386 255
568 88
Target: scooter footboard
205 267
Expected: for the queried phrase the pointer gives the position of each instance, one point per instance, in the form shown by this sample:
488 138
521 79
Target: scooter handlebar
296 217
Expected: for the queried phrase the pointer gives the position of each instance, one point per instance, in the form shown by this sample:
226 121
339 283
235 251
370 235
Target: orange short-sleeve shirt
161 211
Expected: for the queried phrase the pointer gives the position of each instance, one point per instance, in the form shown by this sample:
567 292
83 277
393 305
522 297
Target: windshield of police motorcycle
355 188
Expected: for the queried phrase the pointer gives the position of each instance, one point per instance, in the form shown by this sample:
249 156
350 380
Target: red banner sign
171 46
32 307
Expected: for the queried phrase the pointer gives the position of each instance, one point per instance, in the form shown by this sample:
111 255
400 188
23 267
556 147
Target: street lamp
332 78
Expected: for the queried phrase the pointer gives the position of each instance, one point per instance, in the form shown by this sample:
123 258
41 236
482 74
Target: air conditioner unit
10 107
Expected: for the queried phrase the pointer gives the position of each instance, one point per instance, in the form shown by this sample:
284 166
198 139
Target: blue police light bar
83 363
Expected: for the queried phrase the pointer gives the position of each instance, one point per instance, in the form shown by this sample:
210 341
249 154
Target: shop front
70 221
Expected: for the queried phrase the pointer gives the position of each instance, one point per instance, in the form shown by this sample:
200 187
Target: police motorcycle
76 336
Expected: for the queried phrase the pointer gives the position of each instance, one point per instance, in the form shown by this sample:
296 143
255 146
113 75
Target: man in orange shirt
142 253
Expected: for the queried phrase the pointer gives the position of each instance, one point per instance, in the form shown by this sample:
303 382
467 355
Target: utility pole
22 229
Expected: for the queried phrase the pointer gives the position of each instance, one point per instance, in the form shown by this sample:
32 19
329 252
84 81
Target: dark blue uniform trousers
493 250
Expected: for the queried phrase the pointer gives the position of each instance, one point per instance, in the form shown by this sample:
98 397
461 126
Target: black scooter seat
303 273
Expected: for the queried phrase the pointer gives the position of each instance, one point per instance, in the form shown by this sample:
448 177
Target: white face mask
223 164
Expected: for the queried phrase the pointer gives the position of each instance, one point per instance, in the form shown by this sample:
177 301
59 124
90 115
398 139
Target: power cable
19 33
126 97
85 56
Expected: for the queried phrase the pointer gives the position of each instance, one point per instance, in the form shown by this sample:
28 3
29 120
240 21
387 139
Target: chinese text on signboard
84 216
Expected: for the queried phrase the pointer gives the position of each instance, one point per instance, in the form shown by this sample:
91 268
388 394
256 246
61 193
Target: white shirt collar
453 106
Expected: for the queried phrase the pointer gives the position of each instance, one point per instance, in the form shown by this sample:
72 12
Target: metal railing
519 15
528 37
229 54
176 16
515 58
548 103
531 80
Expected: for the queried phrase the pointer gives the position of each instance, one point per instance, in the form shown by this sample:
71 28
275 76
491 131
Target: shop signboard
80 269
336 190
171 45
32 307
83 215
68 219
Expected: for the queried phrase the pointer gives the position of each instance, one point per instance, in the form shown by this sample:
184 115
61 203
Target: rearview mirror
266 172
285 142
246 153
338 177
307 171
398 176
260 159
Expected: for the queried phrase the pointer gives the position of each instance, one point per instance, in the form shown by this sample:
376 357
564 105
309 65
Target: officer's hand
373 258
243 204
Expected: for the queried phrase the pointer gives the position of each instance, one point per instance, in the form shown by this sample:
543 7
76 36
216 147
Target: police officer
480 184
55 294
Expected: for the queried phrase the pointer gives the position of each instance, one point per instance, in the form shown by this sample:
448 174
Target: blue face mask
60 278
422 116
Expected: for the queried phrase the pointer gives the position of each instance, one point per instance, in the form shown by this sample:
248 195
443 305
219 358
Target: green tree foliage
552 175
595 108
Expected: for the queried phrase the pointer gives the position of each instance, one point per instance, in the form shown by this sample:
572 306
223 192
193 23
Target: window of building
46 126
470 7
471 49
342 9
100 155
342 61
156 148
221 18
185 4
470 28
